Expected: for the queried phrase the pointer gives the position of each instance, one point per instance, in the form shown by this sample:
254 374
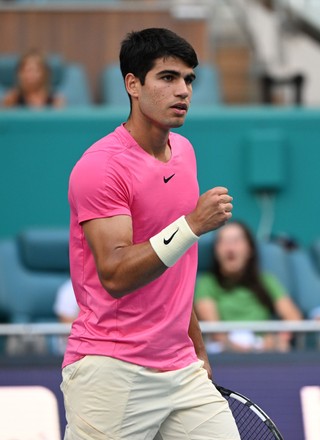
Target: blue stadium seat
69 79
274 259
32 267
205 251
306 280
315 254
112 86
207 86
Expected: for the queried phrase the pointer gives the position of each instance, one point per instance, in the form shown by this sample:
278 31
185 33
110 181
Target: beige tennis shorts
108 399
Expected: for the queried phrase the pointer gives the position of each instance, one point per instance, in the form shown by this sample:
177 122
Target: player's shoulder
112 144
105 150
179 138
103 155
181 145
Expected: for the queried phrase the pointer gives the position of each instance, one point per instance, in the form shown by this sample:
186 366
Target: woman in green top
235 290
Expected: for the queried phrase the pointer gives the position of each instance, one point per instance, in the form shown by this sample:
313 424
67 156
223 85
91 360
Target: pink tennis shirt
149 326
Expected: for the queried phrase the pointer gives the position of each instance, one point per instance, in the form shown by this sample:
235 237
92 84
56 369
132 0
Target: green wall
39 148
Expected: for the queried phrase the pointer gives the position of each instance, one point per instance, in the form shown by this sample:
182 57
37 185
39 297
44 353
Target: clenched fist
213 210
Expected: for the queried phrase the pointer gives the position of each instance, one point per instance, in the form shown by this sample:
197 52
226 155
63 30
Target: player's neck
151 138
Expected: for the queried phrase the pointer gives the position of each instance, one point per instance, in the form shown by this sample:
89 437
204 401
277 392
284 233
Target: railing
299 328
34 329
306 326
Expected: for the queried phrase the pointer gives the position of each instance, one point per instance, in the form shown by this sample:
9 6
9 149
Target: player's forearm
124 267
130 268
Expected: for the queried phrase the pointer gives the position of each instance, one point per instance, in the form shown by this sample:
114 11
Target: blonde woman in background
33 88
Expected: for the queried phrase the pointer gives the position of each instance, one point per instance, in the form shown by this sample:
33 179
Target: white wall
285 53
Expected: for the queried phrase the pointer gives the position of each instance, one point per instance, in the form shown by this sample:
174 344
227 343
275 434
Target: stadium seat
112 86
205 252
206 87
32 267
315 254
274 260
296 82
306 281
69 79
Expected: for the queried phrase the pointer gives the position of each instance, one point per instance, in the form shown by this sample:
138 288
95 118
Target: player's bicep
121 265
105 237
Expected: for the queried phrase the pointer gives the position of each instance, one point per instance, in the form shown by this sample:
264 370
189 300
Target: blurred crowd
235 289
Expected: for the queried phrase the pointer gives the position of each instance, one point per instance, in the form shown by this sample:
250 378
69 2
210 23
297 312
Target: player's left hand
206 364
208 368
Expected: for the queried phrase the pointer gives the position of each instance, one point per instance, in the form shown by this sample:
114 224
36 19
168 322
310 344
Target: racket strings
249 424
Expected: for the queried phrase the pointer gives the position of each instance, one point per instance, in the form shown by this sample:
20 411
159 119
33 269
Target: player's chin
177 122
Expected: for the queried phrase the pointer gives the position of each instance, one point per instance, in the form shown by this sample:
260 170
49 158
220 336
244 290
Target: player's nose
183 90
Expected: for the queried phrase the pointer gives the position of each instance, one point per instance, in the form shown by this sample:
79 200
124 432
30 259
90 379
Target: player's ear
132 84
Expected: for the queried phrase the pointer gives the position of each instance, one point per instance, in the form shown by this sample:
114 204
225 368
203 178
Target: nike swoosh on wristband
166 179
165 241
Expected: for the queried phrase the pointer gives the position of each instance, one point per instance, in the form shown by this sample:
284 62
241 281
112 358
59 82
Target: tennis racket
252 422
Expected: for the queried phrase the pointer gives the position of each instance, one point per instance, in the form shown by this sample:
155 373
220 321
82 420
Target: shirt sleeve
273 286
99 188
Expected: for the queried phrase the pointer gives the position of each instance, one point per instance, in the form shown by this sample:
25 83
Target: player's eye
189 80
168 78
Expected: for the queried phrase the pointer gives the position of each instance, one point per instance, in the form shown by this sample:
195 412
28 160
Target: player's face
232 249
165 96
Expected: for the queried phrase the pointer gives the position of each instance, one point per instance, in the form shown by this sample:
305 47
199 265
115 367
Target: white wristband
173 241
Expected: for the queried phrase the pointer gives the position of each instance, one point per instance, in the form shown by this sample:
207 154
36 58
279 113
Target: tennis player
135 367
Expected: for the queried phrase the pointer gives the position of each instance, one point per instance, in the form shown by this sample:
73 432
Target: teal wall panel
37 153
38 150
221 137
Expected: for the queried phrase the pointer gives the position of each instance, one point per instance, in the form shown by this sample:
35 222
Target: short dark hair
139 50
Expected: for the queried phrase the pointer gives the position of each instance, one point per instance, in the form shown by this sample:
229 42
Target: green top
239 303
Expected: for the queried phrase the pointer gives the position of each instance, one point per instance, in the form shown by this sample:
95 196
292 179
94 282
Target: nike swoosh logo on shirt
166 179
165 241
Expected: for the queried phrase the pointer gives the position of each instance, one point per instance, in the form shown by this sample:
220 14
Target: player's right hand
213 210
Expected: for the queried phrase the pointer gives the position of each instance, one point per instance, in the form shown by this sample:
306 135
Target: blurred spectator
33 87
235 290
65 306
66 310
